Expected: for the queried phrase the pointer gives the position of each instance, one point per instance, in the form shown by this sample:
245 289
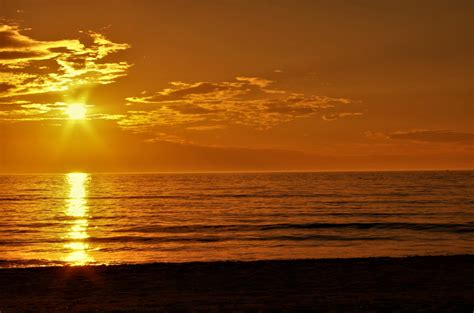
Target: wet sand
413 284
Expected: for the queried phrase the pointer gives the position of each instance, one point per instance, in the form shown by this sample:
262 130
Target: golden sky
127 86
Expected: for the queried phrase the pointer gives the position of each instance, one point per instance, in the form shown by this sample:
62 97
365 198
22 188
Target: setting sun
76 111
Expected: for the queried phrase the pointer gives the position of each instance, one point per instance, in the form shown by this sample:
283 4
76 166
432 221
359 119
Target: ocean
81 218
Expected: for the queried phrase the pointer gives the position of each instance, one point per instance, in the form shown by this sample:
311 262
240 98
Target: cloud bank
435 136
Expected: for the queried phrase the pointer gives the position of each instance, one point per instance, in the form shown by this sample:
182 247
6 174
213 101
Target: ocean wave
464 227
129 239
324 197
214 233
30 263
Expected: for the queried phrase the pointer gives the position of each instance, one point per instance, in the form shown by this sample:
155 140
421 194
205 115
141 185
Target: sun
76 111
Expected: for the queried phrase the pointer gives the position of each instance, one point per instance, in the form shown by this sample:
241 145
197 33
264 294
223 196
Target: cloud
257 81
247 101
164 137
17 50
376 135
206 127
5 87
29 66
206 91
144 121
434 136
335 116
27 111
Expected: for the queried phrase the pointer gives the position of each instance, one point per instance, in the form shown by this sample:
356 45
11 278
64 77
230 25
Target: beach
410 284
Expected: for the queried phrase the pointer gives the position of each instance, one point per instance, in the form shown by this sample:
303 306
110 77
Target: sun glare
76 111
77 210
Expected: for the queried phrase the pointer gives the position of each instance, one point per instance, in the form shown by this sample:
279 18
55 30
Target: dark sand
414 284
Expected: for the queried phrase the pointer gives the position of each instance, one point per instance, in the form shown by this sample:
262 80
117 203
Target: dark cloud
286 108
192 109
198 89
11 55
10 37
5 87
441 136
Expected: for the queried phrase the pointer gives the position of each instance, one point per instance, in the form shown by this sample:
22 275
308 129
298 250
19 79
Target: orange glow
260 92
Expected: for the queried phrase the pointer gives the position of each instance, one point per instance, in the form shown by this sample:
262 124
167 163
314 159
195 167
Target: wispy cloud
21 110
338 115
30 66
247 101
25 111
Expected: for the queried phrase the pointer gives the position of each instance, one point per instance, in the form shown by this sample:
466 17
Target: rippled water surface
81 218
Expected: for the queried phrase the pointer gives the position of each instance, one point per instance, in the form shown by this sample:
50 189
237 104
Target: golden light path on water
77 209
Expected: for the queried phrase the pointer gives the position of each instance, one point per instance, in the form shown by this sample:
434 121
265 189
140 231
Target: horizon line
238 172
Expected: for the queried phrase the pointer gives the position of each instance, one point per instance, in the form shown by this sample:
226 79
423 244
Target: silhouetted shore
412 284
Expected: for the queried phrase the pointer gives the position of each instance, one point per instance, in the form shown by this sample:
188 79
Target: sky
236 85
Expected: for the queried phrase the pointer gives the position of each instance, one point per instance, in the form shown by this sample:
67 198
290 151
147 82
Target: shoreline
406 284
63 264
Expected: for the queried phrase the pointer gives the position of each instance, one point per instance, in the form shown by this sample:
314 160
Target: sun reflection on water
77 210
